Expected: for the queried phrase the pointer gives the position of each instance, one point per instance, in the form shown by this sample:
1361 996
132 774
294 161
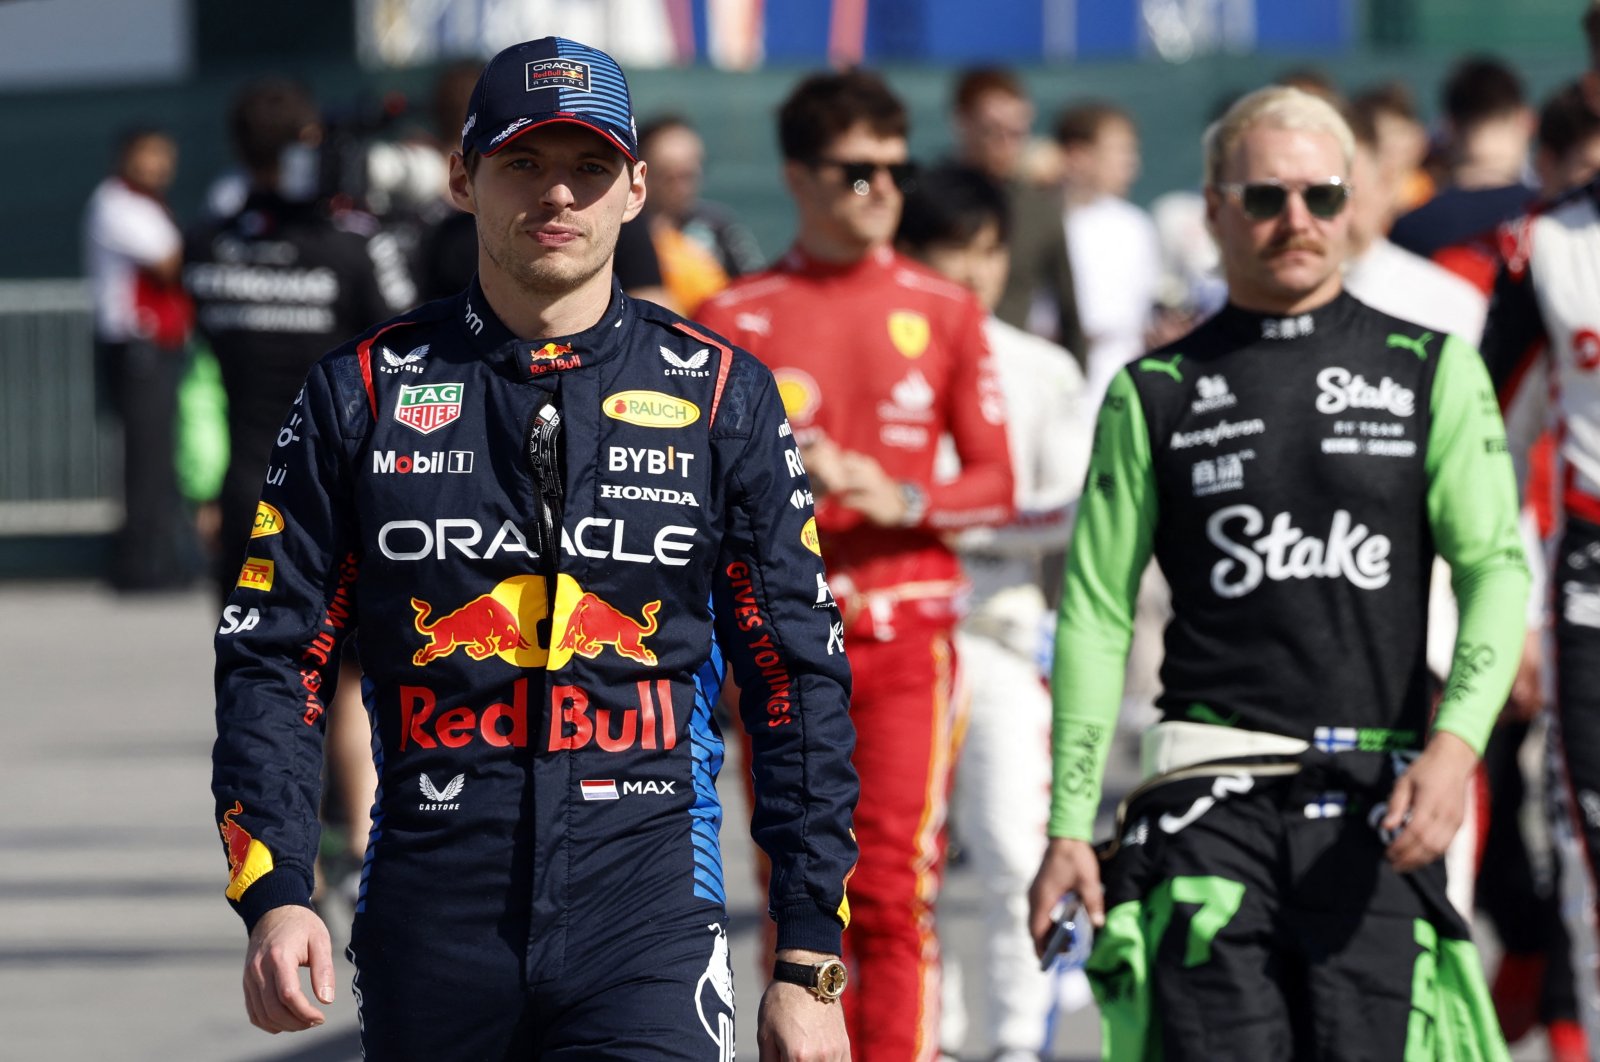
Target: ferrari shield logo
909 332
428 407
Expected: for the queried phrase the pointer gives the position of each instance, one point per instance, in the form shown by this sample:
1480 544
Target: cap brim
570 119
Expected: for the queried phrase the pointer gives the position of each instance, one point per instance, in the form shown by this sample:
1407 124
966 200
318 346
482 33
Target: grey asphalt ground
115 941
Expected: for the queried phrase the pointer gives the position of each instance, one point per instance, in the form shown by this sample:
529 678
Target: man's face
150 164
676 163
1289 262
979 265
549 206
1107 165
993 133
858 215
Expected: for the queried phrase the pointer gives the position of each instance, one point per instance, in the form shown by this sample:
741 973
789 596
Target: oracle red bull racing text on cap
548 80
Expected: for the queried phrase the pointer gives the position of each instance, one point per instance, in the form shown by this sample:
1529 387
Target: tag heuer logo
428 407
557 73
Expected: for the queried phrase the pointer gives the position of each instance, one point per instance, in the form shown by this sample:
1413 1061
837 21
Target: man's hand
1069 866
1429 802
822 457
865 487
795 1026
285 939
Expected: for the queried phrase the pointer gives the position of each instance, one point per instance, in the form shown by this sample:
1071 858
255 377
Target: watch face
831 979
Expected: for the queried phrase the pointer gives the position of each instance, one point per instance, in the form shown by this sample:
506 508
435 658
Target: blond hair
1278 106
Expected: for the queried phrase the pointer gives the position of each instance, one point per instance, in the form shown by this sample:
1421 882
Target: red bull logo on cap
586 625
501 623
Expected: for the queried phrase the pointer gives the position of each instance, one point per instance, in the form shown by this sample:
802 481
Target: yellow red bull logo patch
909 332
586 625
248 858
651 409
256 574
808 536
502 623
268 521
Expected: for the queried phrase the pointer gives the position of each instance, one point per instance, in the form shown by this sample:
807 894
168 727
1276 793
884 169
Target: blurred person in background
877 357
133 253
993 119
1402 143
1487 132
1390 278
955 223
1567 155
447 252
700 244
1116 260
275 287
1542 343
1300 788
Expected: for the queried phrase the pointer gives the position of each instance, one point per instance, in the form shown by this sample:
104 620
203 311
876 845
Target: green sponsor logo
1417 346
1204 713
428 407
1170 366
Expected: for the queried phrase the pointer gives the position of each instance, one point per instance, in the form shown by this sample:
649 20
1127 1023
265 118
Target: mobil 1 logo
422 462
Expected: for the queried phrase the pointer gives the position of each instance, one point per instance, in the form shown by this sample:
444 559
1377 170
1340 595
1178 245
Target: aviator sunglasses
859 175
1265 200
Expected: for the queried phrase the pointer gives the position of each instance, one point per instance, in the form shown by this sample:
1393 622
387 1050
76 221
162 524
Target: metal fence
58 455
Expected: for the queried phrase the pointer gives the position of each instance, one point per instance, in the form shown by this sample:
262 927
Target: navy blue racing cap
549 80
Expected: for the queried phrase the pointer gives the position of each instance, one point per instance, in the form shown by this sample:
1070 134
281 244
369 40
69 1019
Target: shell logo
800 394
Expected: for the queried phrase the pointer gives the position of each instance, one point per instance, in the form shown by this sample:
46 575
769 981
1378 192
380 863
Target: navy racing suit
551 551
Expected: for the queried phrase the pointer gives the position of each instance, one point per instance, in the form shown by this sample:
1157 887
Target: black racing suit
550 549
276 286
1293 477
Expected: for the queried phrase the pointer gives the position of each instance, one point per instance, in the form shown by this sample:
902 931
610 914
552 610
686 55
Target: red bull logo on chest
586 624
502 623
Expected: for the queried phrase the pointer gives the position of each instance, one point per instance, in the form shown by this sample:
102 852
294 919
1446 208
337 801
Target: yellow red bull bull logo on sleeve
503 623
586 624
248 858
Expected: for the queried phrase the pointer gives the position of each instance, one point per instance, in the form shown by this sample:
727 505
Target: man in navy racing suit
553 513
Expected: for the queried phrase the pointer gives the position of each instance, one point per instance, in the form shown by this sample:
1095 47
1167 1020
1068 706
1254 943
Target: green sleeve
1472 511
1111 544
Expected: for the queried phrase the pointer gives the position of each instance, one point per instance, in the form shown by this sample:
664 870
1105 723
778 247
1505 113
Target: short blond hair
1278 106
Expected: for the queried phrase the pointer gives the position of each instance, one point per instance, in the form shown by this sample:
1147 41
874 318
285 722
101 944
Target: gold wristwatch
826 979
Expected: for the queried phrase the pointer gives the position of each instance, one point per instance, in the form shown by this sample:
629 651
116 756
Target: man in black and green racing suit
1273 889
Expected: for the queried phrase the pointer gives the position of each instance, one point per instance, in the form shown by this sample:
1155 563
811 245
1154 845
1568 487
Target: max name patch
557 73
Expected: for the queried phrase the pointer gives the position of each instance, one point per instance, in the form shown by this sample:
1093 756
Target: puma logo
1170 366
1417 346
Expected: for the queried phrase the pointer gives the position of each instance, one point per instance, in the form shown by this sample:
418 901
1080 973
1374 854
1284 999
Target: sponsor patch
808 536
799 393
909 332
256 574
268 521
599 788
426 408
556 73
441 799
394 363
693 365
248 858
236 620
650 409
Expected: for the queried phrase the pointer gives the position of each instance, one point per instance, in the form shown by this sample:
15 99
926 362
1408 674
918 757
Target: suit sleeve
278 657
1473 514
981 494
784 640
1111 544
